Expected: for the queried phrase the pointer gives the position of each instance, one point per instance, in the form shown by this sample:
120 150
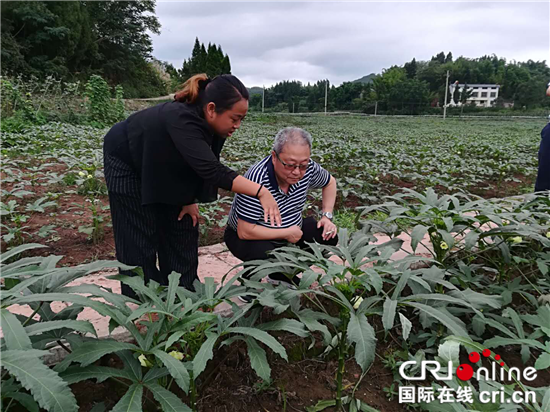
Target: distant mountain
255 90
365 79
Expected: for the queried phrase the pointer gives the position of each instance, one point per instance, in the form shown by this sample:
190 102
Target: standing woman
160 162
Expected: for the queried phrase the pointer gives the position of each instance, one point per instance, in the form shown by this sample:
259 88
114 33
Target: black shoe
281 279
246 298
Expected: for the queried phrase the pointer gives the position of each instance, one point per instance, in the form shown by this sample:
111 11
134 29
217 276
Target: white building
483 95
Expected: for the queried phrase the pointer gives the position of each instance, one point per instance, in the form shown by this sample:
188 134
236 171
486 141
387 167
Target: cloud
342 41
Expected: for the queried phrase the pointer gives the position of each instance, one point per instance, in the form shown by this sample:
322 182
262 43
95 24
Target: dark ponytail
224 91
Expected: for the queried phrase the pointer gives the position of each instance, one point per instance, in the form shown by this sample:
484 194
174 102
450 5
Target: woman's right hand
271 209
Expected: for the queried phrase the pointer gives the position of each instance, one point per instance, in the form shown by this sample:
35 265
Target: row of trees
72 40
417 86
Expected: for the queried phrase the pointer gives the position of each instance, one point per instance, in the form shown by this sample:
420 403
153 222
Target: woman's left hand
191 210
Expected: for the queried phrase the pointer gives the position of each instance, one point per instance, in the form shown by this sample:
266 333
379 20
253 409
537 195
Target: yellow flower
176 355
89 176
517 239
444 245
81 174
144 362
548 235
356 302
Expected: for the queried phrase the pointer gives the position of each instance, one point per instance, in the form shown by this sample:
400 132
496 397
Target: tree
440 57
209 60
410 68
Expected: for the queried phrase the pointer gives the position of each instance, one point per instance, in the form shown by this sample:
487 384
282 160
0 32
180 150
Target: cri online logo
465 372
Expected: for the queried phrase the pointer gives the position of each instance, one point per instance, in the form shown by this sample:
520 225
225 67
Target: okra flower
176 355
444 245
81 174
144 362
517 239
356 302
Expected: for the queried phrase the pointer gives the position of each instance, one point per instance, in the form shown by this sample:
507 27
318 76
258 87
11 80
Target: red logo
465 372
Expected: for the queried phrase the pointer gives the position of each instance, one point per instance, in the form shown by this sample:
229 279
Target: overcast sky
268 42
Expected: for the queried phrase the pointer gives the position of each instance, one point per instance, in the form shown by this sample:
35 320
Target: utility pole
263 98
375 107
446 91
326 96
292 107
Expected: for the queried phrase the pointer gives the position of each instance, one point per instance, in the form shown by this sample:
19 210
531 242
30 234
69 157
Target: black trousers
145 233
248 250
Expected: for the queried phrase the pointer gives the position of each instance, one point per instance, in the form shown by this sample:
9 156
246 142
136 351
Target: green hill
365 79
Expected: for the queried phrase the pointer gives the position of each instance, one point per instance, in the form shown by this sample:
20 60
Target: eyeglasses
291 167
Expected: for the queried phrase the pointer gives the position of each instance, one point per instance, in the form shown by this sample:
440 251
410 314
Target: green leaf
512 314
417 235
101 308
17 250
77 325
209 287
388 317
543 267
471 240
25 400
258 359
48 389
173 338
478 300
176 368
401 284
321 406
478 324
154 374
500 341
173 284
131 364
448 320
362 334
205 353
546 402
263 337
89 352
406 326
168 401
449 351
76 373
131 401
311 320
14 333
100 407
288 325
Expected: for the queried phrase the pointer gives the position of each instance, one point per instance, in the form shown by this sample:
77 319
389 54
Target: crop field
443 256
53 189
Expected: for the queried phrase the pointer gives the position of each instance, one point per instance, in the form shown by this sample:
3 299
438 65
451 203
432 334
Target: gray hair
292 135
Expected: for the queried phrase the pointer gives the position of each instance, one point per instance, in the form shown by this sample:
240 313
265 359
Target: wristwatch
328 215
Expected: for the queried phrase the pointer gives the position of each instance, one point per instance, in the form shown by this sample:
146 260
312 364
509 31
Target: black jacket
543 177
174 152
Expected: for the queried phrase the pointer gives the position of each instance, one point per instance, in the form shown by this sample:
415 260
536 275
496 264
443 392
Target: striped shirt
291 205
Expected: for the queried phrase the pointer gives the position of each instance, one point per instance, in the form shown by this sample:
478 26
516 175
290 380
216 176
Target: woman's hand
191 210
271 210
